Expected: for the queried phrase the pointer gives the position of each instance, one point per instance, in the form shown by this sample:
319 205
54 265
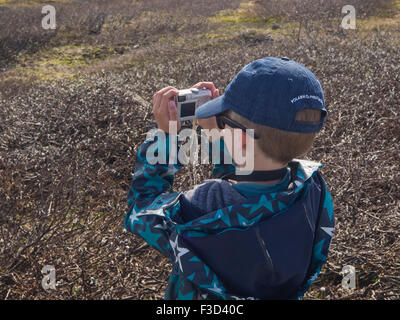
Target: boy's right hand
208 123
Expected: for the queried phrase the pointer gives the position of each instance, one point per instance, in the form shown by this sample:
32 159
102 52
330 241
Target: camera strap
260 175
194 136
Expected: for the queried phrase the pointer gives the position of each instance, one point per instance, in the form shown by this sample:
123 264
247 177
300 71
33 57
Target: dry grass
67 147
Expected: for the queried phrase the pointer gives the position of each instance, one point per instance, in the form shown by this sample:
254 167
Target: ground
75 104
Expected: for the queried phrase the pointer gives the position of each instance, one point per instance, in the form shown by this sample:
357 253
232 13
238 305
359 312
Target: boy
264 235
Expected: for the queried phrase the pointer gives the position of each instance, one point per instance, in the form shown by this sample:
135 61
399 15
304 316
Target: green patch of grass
230 31
246 13
74 55
375 23
61 62
228 24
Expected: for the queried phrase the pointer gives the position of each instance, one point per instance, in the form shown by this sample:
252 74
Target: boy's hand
208 123
164 108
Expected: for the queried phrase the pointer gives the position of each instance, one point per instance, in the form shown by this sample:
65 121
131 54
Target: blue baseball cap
270 92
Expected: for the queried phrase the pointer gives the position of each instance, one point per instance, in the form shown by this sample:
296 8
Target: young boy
264 235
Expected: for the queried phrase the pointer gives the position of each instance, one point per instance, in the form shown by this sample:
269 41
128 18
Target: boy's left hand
165 109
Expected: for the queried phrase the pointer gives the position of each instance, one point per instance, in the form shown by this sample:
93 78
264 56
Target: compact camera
189 100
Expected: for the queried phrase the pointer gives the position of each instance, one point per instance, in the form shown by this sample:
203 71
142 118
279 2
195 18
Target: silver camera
189 100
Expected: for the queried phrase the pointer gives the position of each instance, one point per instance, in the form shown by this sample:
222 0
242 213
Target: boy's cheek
208 123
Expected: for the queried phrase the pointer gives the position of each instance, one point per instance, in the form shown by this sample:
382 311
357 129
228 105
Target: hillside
75 104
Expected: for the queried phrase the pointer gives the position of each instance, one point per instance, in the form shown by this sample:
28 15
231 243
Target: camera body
188 100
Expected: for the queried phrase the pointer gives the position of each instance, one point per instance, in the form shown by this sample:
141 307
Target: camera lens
181 98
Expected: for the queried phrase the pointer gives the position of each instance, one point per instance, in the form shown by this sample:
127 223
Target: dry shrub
317 9
67 152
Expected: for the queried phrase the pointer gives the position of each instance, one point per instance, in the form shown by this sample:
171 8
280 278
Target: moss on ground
249 21
60 62
246 13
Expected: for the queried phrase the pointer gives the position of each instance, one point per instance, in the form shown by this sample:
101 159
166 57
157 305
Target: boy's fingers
158 96
167 96
216 94
208 85
204 84
163 90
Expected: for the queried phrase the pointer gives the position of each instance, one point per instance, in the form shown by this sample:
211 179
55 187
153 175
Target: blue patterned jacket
268 247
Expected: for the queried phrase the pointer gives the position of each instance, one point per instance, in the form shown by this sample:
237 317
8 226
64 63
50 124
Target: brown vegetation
67 146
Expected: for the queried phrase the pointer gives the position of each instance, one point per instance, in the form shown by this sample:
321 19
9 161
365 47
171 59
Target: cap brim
212 108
